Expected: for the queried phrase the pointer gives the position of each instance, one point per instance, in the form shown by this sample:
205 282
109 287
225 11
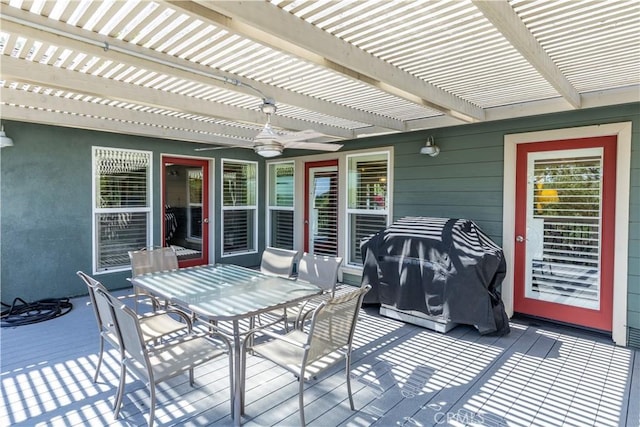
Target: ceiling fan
268 143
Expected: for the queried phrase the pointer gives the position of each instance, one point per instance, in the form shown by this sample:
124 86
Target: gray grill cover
445 268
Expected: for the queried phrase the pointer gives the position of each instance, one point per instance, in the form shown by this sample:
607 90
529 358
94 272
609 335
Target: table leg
238 377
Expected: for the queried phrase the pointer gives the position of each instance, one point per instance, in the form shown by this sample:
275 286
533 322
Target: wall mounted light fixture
430 148
5 141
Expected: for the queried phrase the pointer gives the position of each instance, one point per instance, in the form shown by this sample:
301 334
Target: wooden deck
403 375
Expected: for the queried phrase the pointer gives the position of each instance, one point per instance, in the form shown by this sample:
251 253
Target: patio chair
151 260
321 271
156 364
278 262
154 326
328 340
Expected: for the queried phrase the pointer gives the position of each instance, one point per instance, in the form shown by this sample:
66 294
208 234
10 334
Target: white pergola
198 71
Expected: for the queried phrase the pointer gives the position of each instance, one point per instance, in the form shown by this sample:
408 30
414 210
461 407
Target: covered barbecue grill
436 272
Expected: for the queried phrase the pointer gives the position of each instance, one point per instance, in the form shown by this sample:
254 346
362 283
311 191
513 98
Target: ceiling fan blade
210 148
319 146
299 136
224 147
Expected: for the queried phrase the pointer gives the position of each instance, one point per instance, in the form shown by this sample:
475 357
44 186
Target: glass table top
225 291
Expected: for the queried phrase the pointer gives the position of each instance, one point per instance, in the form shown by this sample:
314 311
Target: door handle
519 239
205 220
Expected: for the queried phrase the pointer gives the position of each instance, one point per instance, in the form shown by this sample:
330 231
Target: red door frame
204 164
307 167
598 319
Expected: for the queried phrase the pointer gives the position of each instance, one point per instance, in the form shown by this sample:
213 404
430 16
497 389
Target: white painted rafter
37 26
220 133
198 70
504 18
82 121
45 75
272 26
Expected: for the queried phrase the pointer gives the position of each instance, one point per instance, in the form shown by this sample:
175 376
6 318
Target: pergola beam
55 118
506 20
269 25
82 83
201 131
86 41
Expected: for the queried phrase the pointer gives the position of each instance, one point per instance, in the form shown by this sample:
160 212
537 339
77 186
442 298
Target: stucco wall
45 202
45 192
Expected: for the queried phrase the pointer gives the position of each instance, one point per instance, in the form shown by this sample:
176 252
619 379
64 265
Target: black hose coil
23 313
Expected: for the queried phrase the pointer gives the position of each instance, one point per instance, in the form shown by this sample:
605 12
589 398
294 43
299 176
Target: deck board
539 374
633 403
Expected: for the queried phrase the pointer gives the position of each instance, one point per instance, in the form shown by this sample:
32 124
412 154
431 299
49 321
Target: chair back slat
333 324
152 260
278 262
319 270
104 317
127 326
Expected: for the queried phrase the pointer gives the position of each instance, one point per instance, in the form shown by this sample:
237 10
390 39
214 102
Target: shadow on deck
403 376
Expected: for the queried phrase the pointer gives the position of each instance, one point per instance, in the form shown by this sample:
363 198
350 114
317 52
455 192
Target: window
368 201
280 205
239 207
122 205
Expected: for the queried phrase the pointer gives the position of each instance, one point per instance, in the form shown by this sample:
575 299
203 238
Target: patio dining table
226 292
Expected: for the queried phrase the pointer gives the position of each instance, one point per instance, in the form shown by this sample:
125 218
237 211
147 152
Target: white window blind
567 211
122 205
367 206
194 213
239 208
280 204
325 210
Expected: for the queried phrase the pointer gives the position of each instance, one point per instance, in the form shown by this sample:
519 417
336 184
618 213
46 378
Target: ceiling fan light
268 107
268 150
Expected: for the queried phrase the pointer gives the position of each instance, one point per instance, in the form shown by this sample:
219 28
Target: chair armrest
312 303
185 338
273 335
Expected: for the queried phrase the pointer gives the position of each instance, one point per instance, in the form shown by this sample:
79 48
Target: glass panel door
185 205
563 229
321 213
565 211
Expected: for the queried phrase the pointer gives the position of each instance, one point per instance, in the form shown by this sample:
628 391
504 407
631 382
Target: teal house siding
466 179
45 192
463 181
45 200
